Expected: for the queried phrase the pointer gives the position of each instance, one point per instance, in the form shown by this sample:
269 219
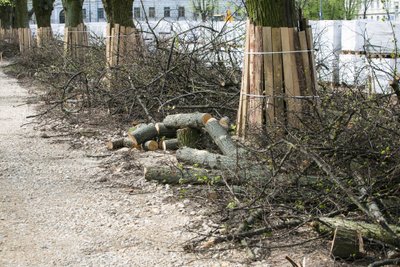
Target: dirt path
52 213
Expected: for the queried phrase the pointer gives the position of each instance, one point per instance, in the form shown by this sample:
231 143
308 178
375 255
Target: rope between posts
279 52
280 96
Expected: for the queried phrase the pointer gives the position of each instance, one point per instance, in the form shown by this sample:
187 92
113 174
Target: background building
93 10
379 10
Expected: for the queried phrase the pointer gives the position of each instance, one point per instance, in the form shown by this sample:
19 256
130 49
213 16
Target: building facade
93 10
379 10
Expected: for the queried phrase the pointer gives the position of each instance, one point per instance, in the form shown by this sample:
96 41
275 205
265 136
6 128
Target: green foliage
331 9
6 3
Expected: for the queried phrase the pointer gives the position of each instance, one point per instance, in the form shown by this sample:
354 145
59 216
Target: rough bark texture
73 12
365 229
120 143
143 134
43 10
205 158
119 12
108 9
194 120
222 138
21 14
188 137
174 175
170 144
164 131
5 16
346 244
150 145
272 13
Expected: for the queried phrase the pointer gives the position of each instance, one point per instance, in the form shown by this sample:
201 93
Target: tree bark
170 144
174 175
346 244
73 12
222 138
5 16
188 137
194 120
120 143
206 159
21 14
367 230
272 13
164 131
143 134
43 10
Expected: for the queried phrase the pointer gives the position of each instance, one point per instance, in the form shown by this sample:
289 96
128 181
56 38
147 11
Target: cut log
188 137
222 138
366 230
175 175
143 134
347 244
193 120
225 123
169 144
150 145
164 131
204 158
119 143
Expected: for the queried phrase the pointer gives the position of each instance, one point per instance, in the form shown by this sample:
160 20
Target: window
100 13
61 16
152 12
167 12
84 13
136 12
181 12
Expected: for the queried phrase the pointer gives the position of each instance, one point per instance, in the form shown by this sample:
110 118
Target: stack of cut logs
182 132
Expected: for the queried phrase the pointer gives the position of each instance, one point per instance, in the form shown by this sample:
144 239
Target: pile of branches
166 76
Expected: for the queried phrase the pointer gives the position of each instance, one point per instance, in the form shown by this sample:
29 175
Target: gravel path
53 213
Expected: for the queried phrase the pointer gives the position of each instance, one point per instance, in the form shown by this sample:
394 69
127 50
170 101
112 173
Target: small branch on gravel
385 262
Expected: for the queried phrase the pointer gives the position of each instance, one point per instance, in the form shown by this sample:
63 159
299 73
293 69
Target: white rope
278 52
278 96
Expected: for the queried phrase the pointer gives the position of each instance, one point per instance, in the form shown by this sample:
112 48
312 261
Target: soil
66 205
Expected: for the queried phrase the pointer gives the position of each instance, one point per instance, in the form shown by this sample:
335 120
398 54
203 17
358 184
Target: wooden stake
268 76
278 91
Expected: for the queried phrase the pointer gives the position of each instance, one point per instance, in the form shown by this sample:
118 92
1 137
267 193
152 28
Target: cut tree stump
188 137
367 230
347 244
174 175
143 133
169 144
150 145
225 123
205 158
222 138
119 143
193 120
164 131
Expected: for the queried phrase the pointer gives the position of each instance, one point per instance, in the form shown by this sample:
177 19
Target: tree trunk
164 131
366 230
73 12
21 14
5 16
188 137
193 120
43 10
143 134
120 143
222 138
204 158
272 13
170 144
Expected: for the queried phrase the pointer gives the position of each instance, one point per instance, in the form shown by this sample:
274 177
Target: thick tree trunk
188 137
222 138
170 144
143 134
21 14
366 230
5 16
164 131
193 120
204 158
73 12
272 13
43 10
